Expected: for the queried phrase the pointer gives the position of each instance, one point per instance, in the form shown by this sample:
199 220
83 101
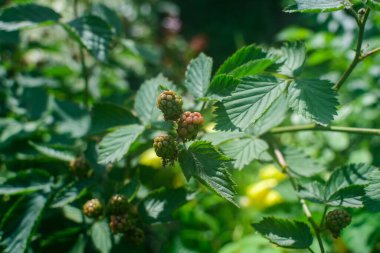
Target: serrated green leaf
26 182
241 57
251 68
271 118
145 103
350 196
338 191
203 162
53 153
198 75
70 193
222 86
107 115
101 236
300 164
17 229
251 99
93 33
290 57
244 151
116 144
217 138
318 5
372 192
314 192
314 99
159 205
26 15
285 233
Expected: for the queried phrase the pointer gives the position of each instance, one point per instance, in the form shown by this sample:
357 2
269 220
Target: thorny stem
282 163
361 20
83 64
314 127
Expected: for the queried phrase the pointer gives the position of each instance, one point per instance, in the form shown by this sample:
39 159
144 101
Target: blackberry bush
79 167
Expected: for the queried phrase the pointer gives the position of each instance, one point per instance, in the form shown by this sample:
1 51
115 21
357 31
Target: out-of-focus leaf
53 153
159 205
17 228
26 182
93 33
285 233
108 15
70 193
318 5
101 236
116 144
107 115
131 188
198 75
300 164
26 15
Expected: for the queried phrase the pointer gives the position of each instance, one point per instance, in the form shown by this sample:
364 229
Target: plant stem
369 53
314 127
282 163
83 64
361 23
323 216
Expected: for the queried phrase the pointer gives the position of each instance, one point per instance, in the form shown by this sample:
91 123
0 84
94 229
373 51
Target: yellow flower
261 194
273 198
149 158
271 172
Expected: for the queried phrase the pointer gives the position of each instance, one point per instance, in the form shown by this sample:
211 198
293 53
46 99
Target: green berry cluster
336 220
170 104
93 208
188 125
166 147
118 205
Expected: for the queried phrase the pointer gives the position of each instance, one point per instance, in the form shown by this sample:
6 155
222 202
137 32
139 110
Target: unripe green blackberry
170 104
336 220
166 147
79 167
135 235
118 204
120 223
189 125
93 208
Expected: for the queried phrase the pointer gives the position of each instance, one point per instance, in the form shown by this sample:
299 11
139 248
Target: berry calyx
120 223
118 205
189 125
79 167
166 147
170 104
93 208
336 220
